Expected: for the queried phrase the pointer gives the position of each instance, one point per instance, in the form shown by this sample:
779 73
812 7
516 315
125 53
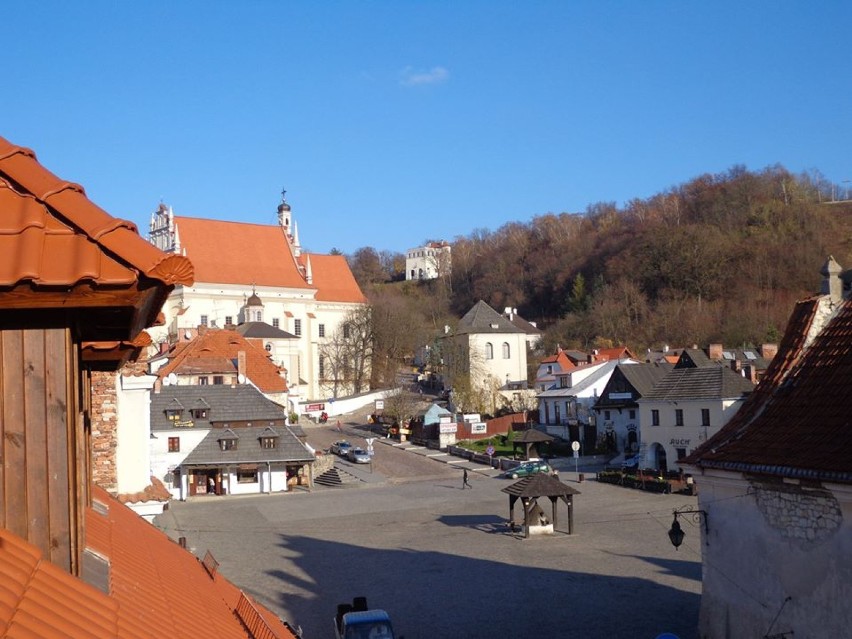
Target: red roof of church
260 255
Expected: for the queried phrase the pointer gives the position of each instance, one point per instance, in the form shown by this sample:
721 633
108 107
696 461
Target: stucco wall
770 541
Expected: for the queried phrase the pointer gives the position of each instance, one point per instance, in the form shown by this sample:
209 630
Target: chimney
768 351
714 352
508 312
832 285
241 366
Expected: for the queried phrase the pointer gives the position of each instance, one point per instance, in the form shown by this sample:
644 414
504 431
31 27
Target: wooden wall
42 437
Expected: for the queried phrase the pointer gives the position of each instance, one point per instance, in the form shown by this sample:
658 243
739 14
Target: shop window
246 476
174 444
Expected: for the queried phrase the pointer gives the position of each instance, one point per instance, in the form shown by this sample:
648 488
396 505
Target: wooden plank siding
36 427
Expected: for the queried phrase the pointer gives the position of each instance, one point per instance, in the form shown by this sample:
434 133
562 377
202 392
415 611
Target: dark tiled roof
484 319
707 382
539 485
531 436
694 357
227 404
797 423
248 451
640 377
262 330
524 325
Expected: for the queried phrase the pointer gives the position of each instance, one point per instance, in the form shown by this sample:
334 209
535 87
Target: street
442 561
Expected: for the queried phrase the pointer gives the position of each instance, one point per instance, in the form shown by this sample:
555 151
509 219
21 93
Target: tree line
720 258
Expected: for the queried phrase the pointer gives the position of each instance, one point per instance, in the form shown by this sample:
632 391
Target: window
705 416
218 379
556 415
258 316
204 320
199 413
678 417
606 414
322 330
632 414
346 330
297 327
174 414
680 452
489 350
174 444
276 323
246 476
563 381
506 350
203 380
655 417
268 442
268 347
229 320
228 443
321 367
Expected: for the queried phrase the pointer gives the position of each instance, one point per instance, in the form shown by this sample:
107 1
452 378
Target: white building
428 262
489 353
685 408
236 266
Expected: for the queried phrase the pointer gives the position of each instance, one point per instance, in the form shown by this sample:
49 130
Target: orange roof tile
207 352
62 238
333 279
260 255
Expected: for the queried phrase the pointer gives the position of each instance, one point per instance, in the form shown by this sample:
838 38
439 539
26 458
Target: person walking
465 482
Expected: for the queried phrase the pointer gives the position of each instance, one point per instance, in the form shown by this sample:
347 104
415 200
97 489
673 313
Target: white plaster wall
218 301
498 367
162 461
768 543
132 455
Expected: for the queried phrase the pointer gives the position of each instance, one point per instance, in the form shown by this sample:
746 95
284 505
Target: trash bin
582 477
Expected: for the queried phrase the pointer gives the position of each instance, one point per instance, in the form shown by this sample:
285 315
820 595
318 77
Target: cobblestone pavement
442 561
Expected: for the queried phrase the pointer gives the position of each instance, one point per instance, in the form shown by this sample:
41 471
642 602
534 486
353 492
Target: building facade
428 262
259 273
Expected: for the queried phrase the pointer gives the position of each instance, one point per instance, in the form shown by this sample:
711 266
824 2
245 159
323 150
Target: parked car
341 447
358 455
526 469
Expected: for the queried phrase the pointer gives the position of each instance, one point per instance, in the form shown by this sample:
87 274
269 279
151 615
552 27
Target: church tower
163 233
285 221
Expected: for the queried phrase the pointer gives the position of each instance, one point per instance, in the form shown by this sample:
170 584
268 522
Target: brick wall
104 430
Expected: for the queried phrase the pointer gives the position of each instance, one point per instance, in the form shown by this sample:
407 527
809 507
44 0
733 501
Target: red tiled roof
61 238
609 354
155 491
796 423
257 254
156 588
217 348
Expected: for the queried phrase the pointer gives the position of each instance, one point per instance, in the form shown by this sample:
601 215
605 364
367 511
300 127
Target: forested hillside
721 258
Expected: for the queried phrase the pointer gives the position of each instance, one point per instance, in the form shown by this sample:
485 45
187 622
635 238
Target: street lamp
676 533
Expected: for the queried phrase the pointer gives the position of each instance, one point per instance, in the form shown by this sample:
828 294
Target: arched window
507 353
258 316
489 350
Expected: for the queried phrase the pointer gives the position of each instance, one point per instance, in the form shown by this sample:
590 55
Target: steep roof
796 423
484 319
217 351
225 403
72 254
258 254
154 588
640 377
706 382
248 451
260 330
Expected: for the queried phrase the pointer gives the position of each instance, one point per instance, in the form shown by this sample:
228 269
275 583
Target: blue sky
393 122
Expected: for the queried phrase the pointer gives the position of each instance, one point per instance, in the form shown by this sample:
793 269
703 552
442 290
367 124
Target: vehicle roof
366 616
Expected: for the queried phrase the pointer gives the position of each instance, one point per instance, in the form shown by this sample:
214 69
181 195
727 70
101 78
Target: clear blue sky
392 122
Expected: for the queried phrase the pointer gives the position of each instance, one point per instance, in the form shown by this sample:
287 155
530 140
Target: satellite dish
172 379
187 334
241 378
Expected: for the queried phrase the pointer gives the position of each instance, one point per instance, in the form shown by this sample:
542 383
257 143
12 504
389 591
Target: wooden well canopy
528 438
530 489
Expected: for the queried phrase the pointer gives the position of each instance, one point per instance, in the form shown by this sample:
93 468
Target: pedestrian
339 429
465 482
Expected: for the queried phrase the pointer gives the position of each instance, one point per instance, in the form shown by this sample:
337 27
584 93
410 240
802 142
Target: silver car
358 455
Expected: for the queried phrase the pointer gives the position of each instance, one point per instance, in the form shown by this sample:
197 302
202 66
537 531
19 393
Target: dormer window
174 414
199 413
268 439
228 440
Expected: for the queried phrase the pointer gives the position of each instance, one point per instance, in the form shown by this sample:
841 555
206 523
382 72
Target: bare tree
347 354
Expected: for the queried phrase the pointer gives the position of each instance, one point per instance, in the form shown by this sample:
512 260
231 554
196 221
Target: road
442 562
